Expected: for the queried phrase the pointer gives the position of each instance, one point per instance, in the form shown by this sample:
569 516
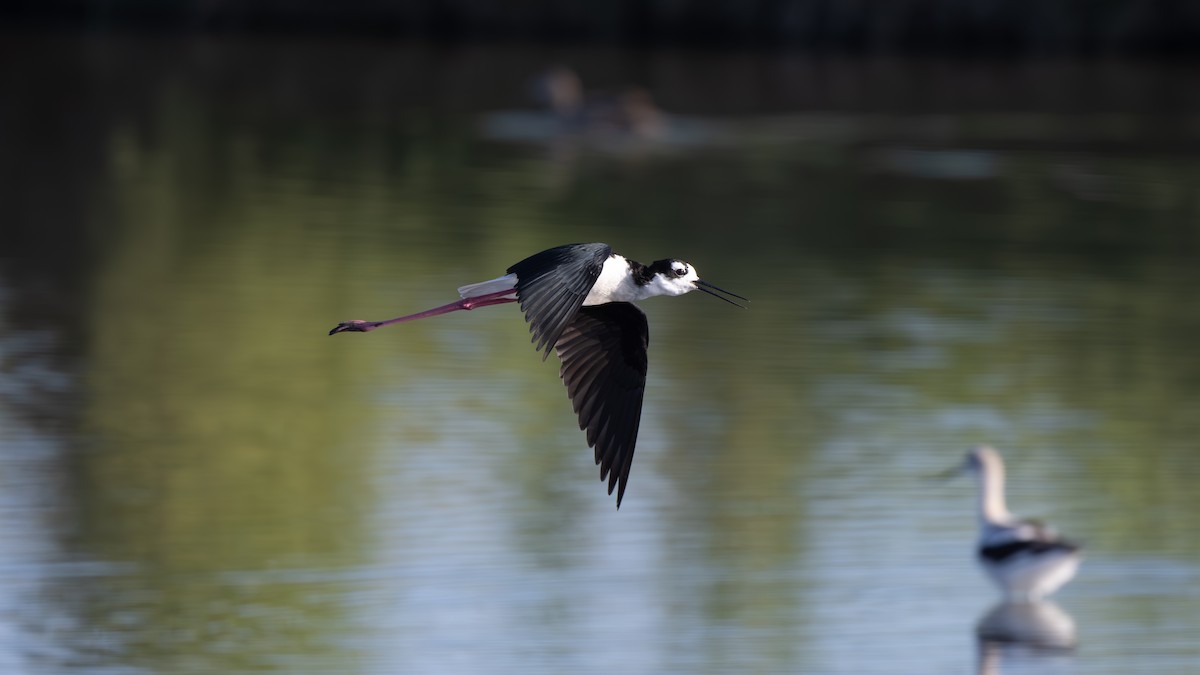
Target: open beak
709 288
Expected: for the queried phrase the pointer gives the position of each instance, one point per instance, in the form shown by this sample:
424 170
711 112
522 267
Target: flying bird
578 300
1027 559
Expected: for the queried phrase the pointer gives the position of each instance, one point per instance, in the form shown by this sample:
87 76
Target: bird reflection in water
1013 632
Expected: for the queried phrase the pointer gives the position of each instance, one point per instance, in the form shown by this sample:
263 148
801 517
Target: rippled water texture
195 478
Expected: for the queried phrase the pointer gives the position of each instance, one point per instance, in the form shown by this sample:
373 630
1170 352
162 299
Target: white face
681 279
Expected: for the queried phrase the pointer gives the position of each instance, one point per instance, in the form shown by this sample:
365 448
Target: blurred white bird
1027 559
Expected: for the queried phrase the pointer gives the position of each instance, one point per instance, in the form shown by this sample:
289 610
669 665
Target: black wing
603 353
1029 537
552 285
1018 547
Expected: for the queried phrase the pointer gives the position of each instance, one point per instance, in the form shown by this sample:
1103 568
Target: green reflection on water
223 437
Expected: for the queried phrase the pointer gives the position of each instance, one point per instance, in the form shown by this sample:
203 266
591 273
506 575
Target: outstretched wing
552 285
603 354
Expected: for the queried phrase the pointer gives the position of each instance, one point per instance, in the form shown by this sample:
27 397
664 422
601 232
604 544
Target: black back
552 285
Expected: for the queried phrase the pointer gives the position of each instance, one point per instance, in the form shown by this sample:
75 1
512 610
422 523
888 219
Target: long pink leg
360 326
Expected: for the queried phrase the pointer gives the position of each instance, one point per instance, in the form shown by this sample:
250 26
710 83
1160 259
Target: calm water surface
194 478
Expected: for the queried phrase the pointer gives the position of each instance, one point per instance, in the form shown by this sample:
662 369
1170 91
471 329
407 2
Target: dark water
195 478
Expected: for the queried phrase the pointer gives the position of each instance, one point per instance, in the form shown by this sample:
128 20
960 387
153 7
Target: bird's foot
355 326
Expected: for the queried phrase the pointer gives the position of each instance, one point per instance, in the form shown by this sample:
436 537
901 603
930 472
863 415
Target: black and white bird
577 299
1027 559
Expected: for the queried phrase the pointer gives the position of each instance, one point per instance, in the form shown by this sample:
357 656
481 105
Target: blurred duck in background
1027 559
630 111
621 121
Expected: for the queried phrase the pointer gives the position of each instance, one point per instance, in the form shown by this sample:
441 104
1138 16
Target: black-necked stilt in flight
1027 559
576 299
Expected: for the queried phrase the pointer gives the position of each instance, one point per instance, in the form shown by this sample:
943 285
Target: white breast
615 284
